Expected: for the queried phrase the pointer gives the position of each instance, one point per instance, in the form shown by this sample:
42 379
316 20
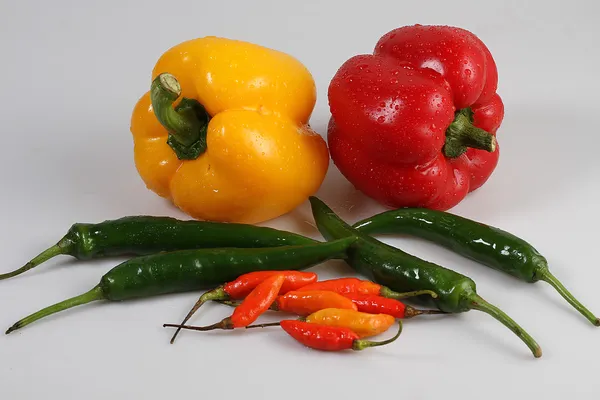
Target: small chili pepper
304 303
354 285
388 265
374 304
242 286
330 338
364 324
486 244
256 303
188 270
145 235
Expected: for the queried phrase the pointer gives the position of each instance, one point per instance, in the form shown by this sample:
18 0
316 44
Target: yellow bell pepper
237 147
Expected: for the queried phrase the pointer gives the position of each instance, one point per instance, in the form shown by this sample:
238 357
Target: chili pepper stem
223 324
215 294
44 256
363 344
410 312
267 324
480 304
387 292
547 277
95 294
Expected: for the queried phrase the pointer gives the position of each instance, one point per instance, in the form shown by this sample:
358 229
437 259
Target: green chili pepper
404 272
142 235
486 244
187 270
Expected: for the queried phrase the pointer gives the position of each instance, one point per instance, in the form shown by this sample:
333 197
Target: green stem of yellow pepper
186 123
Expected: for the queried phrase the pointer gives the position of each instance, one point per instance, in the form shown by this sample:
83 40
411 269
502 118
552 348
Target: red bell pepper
414 123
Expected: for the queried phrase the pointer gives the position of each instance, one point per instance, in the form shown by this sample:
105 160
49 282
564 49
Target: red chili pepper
345 286
304 303
330 338
244 284
256 303
414 124
374 304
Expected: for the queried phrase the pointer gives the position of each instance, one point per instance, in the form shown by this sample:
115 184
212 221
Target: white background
71 74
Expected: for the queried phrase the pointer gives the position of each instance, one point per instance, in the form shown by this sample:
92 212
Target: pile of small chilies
335 314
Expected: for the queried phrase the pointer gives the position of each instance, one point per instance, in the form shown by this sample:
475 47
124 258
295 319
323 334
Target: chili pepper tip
12 328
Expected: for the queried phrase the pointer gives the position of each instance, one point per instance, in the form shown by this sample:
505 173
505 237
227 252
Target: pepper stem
187 123
389 293
410 312
363 344
265 325
480 304
44 256
547 276
462 134
230 303
214 295
95 294
223 324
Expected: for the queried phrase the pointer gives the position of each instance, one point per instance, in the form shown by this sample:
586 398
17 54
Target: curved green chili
486 244
187 270
404 272
143 235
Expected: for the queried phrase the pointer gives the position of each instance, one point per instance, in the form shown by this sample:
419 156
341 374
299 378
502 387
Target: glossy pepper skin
245 284
143 235
346 286
257 302
329 338
401 271
404 120
363 324
188 270
304 303
242 286
247 109
374 304
488 245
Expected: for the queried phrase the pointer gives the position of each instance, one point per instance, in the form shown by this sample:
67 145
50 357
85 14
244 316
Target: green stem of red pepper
462 134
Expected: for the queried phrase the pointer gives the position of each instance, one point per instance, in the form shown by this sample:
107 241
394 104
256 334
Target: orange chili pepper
256 303
364 324
307 302
355 285
244 284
